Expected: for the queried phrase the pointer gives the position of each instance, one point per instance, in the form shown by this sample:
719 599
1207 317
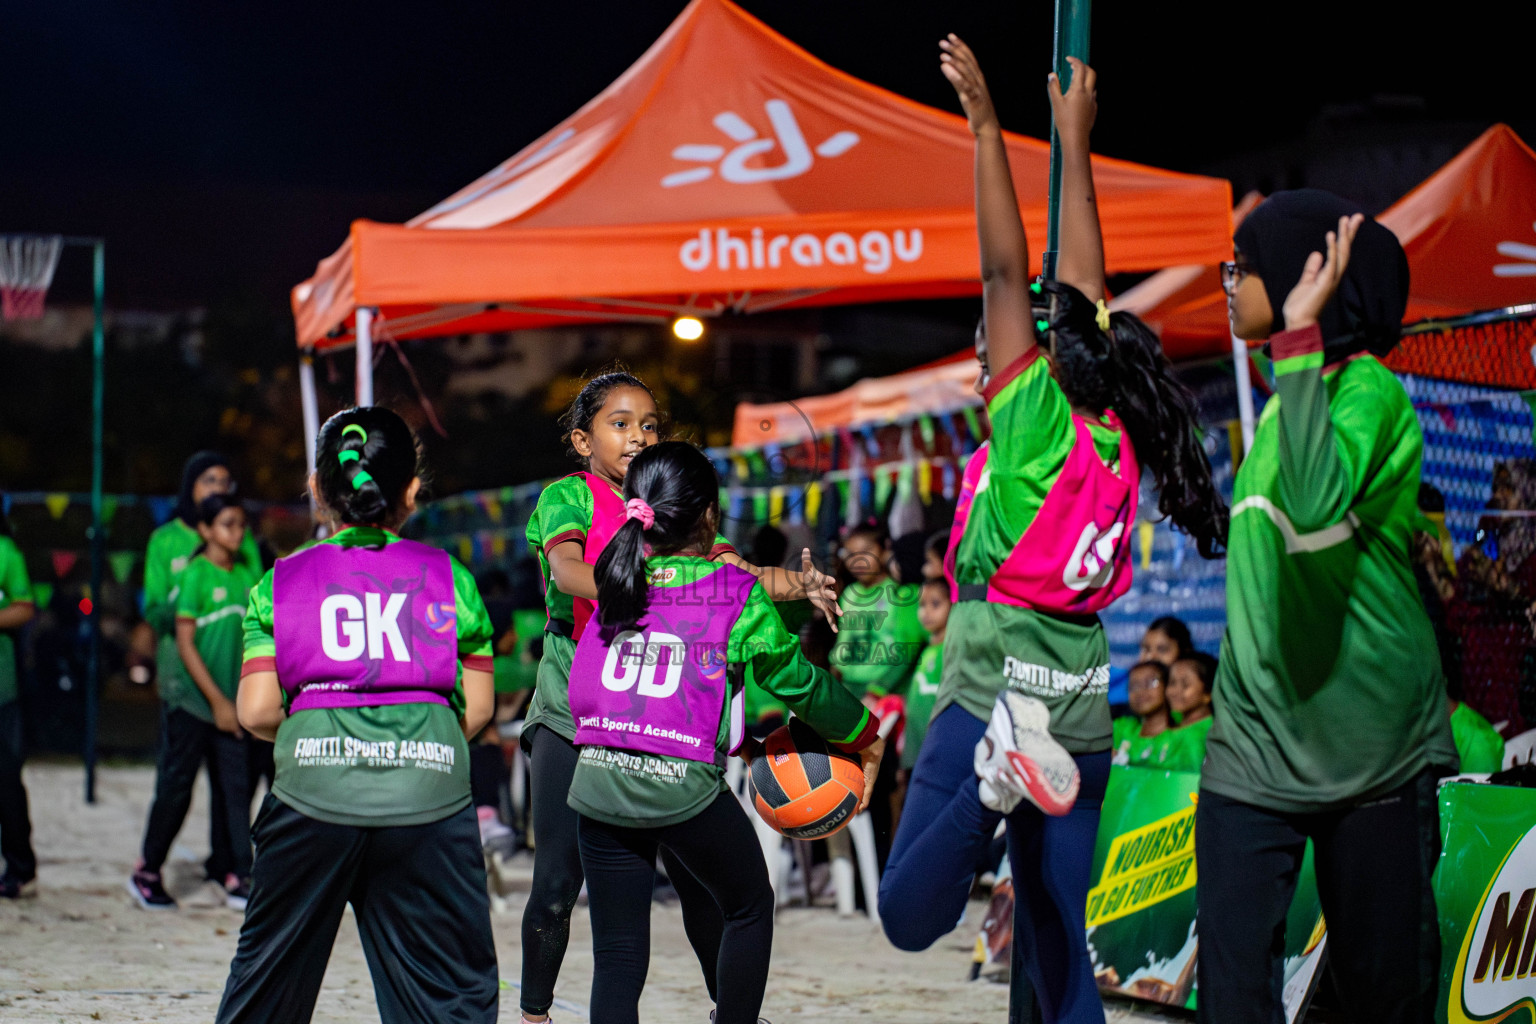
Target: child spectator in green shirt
879 638
1182 748
1146 690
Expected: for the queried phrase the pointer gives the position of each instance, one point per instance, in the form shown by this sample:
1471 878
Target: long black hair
365 459
1174 629
589 402
1125 370
679 484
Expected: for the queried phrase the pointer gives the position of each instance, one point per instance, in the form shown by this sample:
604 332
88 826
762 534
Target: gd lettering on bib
662 686
362 627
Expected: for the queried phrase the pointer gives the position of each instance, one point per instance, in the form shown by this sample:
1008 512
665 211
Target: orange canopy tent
727 169
1469 231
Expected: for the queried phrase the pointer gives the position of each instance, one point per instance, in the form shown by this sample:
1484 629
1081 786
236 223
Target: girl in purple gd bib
656 694
368 660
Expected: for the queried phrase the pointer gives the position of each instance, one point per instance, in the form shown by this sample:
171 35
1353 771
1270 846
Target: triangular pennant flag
925 481
42 593
949 480
499 546
743 470
883 482
56 503
971 422
122 563
162 508
466 550
108 509
1146 531
760 506
925 428
63 561
813 503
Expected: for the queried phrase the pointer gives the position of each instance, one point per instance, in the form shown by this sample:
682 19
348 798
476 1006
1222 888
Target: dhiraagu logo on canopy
1494 978
777 156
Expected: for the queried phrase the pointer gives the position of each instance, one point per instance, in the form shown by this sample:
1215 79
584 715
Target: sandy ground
83 951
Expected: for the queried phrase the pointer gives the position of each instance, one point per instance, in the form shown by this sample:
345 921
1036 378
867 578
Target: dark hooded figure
1366 313
185 714
1331 722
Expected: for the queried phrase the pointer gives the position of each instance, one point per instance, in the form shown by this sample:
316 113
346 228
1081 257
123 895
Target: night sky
223 148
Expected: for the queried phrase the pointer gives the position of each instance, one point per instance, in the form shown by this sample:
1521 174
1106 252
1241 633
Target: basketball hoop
27 263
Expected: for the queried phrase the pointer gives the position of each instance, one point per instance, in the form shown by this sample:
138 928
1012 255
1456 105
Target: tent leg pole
311 415
364 356
1244 395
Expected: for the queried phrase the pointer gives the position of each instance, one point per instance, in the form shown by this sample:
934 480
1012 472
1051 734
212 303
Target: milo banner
1485 889
1141 909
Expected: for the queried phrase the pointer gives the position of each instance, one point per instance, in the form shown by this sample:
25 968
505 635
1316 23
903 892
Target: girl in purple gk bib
656 695
368 660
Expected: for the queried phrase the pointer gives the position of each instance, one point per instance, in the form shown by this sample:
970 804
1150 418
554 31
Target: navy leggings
944 830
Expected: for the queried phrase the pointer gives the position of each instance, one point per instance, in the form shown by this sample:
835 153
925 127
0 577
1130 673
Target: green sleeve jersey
518 670
660 791
395 764
1329 689
1125 730
1032 435
170 551
215 600
921 695
563 512
1063 662
1479 746
879 638
15 588
1181 749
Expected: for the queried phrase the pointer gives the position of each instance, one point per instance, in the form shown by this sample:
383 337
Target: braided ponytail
365 460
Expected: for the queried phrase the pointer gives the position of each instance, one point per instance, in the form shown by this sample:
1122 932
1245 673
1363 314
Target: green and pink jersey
589 510
369 636
1329 689
1043 545
658 706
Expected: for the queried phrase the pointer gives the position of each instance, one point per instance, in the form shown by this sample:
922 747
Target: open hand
958 64
1075 109
1320 276
820 589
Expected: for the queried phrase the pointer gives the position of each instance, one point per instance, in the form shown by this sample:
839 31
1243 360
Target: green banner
1141 909
1485 888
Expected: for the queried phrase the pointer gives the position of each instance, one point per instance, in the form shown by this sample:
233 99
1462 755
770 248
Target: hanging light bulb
688 328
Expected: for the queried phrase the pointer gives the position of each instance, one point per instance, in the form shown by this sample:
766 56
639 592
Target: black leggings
718 847
185 742
1373 861
418 894
557 879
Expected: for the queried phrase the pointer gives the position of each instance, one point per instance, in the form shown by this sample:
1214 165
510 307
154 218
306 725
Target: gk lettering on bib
662 686
362 627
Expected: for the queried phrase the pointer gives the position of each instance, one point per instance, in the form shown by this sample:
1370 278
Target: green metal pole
98 534
1071 40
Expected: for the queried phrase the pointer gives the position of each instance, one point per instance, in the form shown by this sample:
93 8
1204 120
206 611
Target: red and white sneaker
1019 759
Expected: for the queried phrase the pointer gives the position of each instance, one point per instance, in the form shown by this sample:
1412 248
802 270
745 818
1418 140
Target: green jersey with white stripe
1329 689
215 599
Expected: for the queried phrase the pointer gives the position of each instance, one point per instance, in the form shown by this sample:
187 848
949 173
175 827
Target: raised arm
999 230
1081 247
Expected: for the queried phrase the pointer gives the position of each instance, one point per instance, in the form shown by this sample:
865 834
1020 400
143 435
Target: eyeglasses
1232 274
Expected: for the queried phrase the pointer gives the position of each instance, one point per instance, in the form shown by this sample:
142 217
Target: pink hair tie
636 508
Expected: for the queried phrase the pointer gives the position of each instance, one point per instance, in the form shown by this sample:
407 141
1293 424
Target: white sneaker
1018 759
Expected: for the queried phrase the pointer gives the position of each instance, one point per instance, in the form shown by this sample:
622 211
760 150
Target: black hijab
1367 312
196 466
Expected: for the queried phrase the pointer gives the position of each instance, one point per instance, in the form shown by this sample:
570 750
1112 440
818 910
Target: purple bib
662 686
361 627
